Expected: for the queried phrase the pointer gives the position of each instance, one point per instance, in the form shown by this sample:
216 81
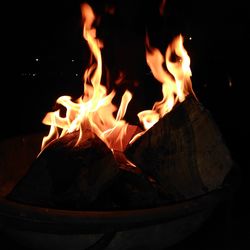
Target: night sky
44 57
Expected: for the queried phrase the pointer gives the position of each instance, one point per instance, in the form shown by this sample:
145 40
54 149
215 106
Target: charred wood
184 152
67 175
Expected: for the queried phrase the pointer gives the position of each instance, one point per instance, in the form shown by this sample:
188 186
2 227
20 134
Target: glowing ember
94 110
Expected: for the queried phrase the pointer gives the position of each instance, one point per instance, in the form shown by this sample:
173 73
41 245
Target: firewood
87 176
66 175
184 152
180 157
129 190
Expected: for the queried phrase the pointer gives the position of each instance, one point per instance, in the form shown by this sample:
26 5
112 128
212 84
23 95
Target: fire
176 82
94 110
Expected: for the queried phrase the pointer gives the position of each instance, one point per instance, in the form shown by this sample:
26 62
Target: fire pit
46 228
99 182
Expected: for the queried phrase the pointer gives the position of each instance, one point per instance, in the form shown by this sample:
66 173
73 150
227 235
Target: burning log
82 176
184 152
180 157
68 175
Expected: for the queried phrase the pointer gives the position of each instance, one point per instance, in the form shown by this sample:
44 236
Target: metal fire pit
45 228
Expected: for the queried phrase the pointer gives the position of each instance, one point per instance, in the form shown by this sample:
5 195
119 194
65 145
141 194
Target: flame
176 82
94 110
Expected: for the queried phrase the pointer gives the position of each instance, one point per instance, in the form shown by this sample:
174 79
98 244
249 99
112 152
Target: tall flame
176 82
94 109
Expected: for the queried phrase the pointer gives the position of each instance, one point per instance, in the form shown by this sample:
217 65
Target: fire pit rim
40 219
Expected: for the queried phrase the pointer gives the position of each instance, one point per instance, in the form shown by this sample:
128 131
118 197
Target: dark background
44 57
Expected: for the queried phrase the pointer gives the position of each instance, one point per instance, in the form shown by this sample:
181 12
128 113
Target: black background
52 33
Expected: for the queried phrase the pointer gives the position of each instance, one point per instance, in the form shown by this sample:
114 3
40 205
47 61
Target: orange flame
94 110
176 82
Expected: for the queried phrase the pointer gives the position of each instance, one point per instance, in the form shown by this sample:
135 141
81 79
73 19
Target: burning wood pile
93 160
